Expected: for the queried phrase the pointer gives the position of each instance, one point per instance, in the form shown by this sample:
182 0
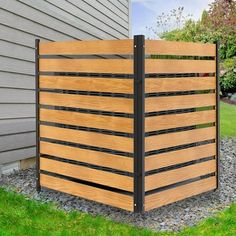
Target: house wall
21 21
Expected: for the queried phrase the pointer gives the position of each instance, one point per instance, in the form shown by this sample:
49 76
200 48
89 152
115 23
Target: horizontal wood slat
92 47
100 195
166 178
161 47
153 104
112 104
87 156
119 124
156 142
154 123
113 66
88 138
157 85
84 173
87 84
179 66
166 159
179 193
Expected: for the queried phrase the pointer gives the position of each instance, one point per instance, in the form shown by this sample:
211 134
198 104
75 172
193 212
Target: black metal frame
38 187
139 118
217 113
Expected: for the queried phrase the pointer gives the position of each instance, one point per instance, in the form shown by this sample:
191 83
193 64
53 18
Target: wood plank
119 124
156 142
99 195
112 66
179 193
92 47
153 104
161 47
87 156
88 174
157 85
162 160
112 142
166 178
162 122
111 104
87 84
179 66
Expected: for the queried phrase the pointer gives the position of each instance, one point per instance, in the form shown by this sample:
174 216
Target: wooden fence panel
88 119
181 121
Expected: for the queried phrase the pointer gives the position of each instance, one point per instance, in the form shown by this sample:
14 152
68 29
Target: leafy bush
228 82
228 79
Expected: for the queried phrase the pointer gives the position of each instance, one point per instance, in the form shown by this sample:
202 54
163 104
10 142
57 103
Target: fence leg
38 187
217 112
139 116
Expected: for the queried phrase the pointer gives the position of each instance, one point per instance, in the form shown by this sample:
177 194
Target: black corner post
38 187
139 116
217 112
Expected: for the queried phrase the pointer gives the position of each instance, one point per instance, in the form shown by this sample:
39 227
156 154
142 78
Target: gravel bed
173 217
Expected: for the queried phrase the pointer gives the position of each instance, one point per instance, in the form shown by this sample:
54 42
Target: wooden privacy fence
128 123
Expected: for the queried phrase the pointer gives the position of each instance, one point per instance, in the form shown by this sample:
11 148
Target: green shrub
228 82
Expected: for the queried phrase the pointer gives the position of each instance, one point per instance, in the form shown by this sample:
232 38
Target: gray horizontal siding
17 155
16 141
15 126
17 96
21 22
12 80
14 111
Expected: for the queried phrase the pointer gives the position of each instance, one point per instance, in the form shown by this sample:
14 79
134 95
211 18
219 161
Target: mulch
226 100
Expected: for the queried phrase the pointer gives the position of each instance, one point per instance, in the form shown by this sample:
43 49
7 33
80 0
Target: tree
175 19
218 23
222 16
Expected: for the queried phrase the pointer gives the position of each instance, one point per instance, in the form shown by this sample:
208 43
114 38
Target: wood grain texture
166 178
88 138
162 122
153 104
115 66
87 84
88 174
179 66
87 156
157 85
99 195
161 47
179 193
92 47
156 142
162 160
119 124
112 104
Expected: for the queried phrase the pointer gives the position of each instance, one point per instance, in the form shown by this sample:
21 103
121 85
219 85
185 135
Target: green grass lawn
23 217
227 120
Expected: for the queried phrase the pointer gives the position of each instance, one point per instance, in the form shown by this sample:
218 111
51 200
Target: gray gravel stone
172 217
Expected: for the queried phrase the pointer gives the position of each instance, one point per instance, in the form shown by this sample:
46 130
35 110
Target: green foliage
229 64
228 82
228 78
217 24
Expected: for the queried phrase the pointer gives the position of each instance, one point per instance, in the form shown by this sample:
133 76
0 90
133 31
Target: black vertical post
217 112
139 116
38 187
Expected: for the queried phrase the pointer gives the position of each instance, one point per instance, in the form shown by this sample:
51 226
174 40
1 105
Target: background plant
216 24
